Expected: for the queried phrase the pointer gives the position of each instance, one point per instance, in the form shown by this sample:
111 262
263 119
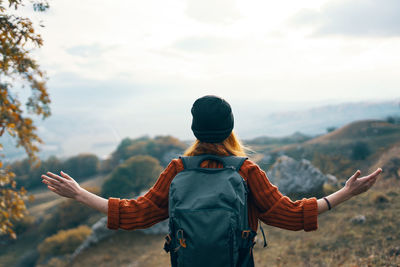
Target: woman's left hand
63 185
355 185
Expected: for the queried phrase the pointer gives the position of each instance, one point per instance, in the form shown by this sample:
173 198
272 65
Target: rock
331 179
99 232
298 178
359 219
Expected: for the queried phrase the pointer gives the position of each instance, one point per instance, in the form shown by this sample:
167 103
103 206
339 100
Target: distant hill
365 129
358 145
297 137
315 121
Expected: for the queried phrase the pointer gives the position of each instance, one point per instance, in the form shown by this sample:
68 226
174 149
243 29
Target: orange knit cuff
113 213
310 214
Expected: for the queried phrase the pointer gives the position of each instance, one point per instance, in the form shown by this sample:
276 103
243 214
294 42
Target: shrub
134 175
63 242
156 147
81 166
360 151
28 175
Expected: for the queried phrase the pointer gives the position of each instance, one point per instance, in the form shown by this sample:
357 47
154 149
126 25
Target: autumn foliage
18 69
63 242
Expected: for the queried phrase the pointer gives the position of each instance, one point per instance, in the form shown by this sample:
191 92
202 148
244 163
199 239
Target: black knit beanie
212 119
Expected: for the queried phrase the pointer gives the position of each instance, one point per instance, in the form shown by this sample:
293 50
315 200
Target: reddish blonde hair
231 146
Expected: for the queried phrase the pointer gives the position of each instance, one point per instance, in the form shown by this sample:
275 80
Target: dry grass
337 242
126 248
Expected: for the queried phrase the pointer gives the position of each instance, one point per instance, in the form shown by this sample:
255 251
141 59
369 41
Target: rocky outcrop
100 231
331 179
297 178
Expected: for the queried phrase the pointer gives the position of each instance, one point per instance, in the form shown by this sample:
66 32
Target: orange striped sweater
265 202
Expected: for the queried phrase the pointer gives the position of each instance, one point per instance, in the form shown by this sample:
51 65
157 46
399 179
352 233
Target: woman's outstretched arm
66 186
353 187
128 214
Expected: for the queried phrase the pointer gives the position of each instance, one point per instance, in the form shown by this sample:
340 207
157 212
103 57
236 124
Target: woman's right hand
63 185
355 185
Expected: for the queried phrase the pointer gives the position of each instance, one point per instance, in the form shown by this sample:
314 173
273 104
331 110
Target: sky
134 67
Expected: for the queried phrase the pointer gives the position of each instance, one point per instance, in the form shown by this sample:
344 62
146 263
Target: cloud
207 44
213 11
72 93
93 50
359 18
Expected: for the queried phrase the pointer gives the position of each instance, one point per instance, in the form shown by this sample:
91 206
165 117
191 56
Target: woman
212 125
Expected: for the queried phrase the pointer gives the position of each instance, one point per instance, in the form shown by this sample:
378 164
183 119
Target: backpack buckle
182 240
168 239
245 234
167 246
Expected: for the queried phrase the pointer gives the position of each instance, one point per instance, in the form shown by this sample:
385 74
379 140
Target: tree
134 175
25 174
18 69
81 166
158 147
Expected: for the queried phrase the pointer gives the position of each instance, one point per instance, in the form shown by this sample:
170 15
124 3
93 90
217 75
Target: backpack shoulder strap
227 161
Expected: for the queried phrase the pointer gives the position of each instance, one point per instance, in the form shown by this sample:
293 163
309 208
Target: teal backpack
208 221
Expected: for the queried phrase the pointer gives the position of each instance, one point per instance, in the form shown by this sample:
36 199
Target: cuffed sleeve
113 213
310 214
147 210
278 210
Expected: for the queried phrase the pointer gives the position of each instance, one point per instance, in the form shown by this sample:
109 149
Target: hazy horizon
123 68
70 134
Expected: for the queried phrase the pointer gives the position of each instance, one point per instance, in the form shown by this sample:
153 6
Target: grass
337 242
125 248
